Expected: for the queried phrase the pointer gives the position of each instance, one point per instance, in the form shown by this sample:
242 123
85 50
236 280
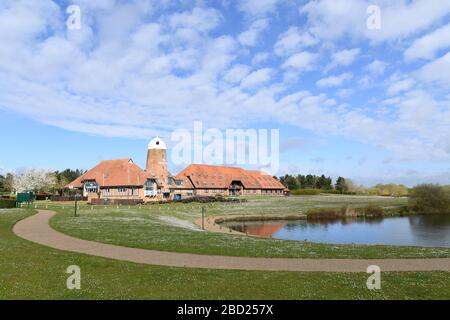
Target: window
149 185
122 189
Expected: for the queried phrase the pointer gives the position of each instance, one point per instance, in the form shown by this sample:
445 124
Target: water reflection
424 230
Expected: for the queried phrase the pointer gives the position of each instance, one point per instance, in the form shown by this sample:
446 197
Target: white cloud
301 61
260 57
127 77
437 70
343 58
426 46
294 40
199 19
400 86
257 78
345 93
251 36
377 67
333 19
334 81
237 73
257 7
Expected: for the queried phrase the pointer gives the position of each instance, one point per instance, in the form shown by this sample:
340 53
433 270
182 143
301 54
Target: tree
65 177
429 198
341 185
34 180
301 179
289 182
323 182
310 181
6 183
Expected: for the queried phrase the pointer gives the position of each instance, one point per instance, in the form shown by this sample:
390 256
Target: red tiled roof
220 177
186 183
113 173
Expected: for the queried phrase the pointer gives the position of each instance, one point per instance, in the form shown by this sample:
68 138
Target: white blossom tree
33 179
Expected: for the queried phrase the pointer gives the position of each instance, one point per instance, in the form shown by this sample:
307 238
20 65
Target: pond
421 230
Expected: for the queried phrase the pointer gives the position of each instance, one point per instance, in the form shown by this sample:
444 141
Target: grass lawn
170 227
32 271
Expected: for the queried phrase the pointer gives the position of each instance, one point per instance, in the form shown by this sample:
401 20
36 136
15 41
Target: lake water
424 230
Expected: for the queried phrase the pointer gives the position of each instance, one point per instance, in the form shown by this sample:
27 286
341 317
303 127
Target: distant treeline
321 183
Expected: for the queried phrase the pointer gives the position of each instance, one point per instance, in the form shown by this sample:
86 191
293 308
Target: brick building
122 179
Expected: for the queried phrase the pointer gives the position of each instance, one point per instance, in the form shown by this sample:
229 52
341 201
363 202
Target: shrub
373 211
429 198
333 191
7 203
305 192
325 214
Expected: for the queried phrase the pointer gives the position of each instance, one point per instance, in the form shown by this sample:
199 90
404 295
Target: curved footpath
36 229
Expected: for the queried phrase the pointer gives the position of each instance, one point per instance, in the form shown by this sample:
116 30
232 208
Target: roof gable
113 173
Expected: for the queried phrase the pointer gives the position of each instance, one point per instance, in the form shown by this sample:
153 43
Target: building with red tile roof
122 179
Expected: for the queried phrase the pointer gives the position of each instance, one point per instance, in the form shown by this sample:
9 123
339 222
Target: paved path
37 229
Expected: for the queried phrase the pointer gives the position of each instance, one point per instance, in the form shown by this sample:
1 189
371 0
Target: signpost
76 204
203 218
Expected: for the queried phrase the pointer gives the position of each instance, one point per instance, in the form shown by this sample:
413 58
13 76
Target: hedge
305 192
7 203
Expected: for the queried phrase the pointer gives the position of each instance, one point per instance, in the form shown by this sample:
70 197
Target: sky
353 92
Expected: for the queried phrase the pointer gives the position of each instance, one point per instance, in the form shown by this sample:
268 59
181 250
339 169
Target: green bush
7 203
305 192
429 198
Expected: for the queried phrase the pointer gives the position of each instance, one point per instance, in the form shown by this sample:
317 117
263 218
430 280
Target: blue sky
369 104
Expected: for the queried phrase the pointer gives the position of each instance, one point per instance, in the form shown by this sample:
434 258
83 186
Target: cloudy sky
369 104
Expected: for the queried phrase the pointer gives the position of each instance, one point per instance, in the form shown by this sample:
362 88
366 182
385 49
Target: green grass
31 271
148 227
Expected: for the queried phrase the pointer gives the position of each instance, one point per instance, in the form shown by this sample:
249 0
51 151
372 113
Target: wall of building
157 165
